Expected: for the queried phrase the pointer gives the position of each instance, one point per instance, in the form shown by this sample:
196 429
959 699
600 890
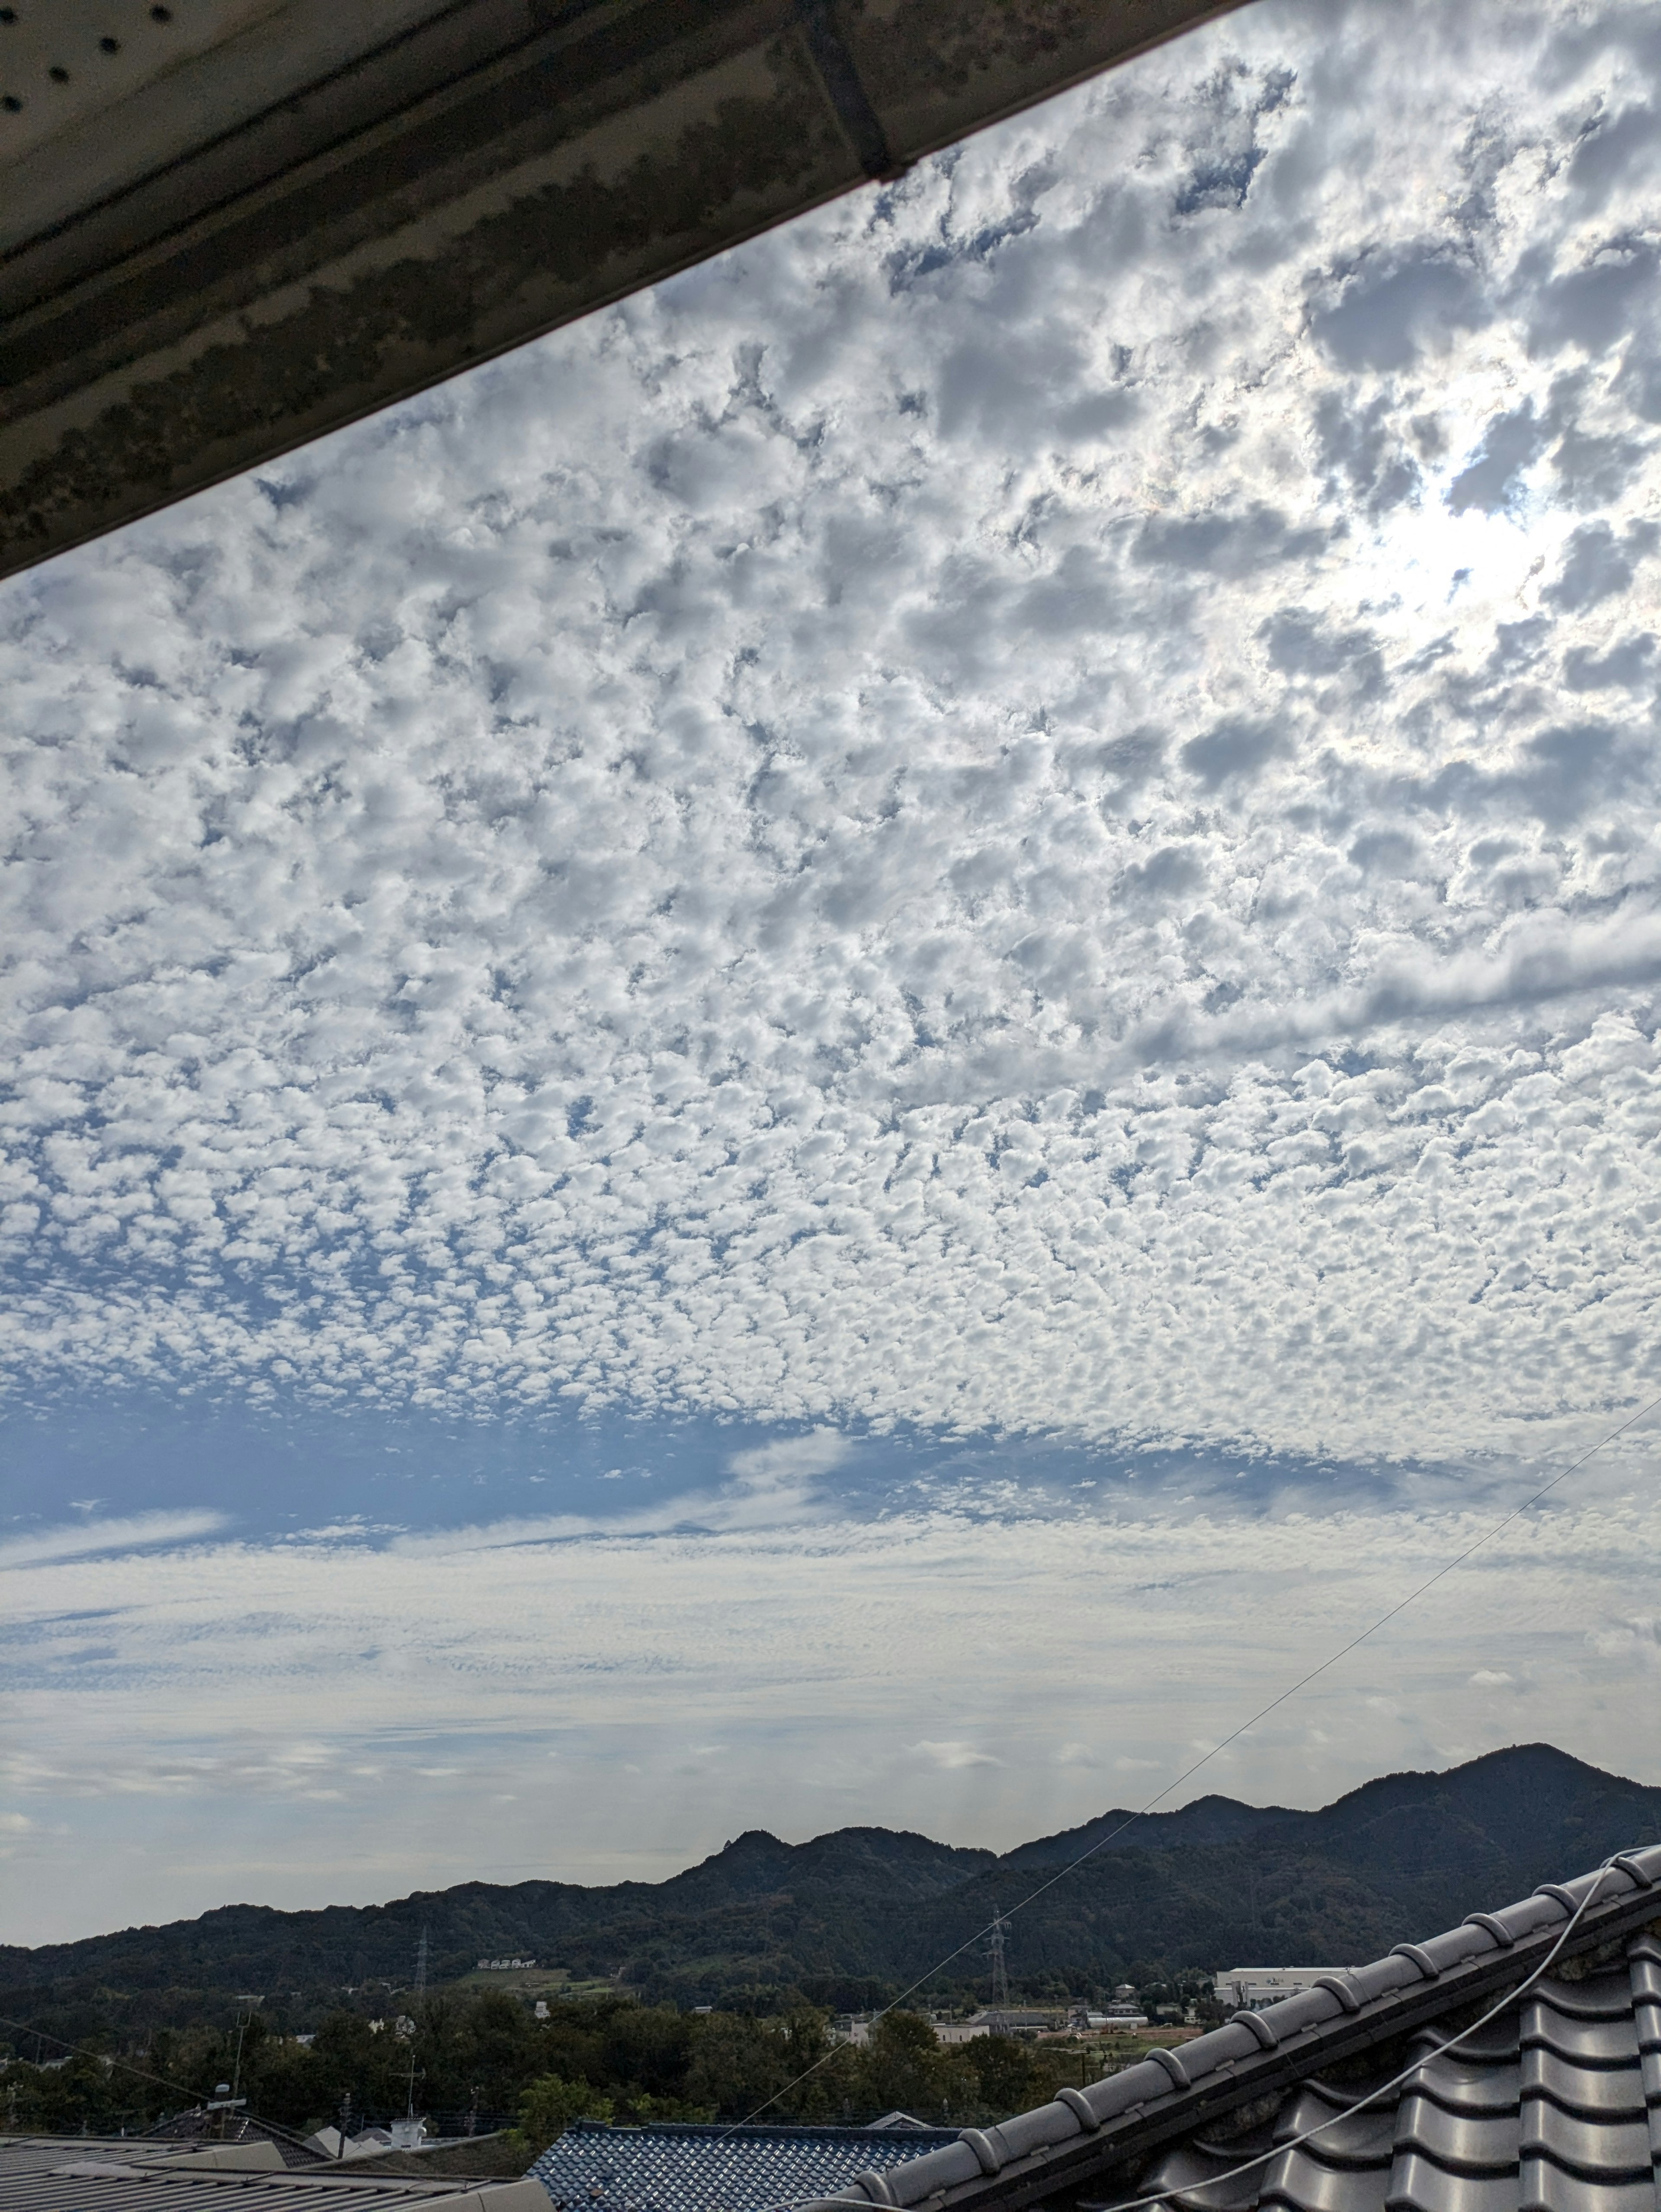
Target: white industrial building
1250 1989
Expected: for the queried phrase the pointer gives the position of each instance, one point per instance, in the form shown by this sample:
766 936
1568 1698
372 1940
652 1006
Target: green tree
548 2108
286 2084
1008 2078
497 2050
783 2070
650 2045
740 2065
905 2068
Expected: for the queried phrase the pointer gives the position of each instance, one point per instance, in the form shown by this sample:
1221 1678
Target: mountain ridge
869 1909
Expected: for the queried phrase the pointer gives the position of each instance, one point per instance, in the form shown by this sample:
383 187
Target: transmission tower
994 1951
421 1964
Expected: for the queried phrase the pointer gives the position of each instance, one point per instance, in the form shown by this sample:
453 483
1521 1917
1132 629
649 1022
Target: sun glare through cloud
882 1023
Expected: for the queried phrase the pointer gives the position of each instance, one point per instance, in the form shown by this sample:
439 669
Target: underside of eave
265 289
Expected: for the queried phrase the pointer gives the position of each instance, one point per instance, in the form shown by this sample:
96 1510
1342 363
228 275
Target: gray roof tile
1464 2142
1418 2184
1554 2108
1555 2188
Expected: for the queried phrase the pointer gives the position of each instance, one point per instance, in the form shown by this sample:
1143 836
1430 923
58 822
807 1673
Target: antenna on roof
994 1951
421 1963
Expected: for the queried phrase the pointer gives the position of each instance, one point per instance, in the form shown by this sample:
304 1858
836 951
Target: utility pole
995 1950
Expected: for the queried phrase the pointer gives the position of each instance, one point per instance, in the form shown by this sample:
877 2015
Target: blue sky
844 1049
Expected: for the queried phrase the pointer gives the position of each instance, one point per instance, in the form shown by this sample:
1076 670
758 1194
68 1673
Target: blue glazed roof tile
687 2167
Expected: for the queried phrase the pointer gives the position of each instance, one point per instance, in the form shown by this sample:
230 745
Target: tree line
484 2057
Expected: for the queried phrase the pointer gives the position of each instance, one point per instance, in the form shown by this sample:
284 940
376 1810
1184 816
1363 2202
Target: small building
1006 2020
1250 1989
856 2028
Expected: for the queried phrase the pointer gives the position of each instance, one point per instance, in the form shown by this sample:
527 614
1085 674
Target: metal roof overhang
229 225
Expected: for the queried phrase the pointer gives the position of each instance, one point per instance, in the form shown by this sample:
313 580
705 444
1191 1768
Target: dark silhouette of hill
850 1915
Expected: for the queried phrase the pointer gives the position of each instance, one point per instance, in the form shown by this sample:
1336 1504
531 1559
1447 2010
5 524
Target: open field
550 1982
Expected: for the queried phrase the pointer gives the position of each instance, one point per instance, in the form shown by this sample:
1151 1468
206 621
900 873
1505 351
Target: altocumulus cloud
1030 805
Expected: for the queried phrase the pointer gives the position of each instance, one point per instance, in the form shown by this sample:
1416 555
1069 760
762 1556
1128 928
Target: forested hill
851 1915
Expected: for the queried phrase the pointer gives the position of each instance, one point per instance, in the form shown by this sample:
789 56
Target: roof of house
1557 2107
82 2173
201 2125
689 2167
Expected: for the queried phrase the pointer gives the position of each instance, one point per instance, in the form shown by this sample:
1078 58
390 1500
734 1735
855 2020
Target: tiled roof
676 2167
1555 2108
80 2174
1546 2108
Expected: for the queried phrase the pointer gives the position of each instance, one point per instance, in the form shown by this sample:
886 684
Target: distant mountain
861 1911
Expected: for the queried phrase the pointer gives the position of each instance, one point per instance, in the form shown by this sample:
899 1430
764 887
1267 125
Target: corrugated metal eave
69 2182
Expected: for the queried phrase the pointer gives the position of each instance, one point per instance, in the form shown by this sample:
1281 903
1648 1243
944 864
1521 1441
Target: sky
847 1048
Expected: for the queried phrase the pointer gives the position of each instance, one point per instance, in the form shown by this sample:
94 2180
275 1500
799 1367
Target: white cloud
86 1537
1029 805
950 1758
228 1720
789 1463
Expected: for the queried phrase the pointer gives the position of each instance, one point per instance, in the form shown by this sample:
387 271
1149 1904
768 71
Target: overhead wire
1513 1997
103 2058
1166 2196
1284 1697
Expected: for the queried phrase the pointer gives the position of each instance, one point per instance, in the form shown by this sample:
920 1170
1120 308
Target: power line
1262 1713
995 1949
104 2057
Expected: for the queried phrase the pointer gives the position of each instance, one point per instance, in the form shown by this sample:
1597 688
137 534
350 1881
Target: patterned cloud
1031 806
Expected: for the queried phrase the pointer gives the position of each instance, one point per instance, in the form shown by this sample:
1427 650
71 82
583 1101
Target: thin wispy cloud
990 1682
952 1757
771 1485
81 1538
